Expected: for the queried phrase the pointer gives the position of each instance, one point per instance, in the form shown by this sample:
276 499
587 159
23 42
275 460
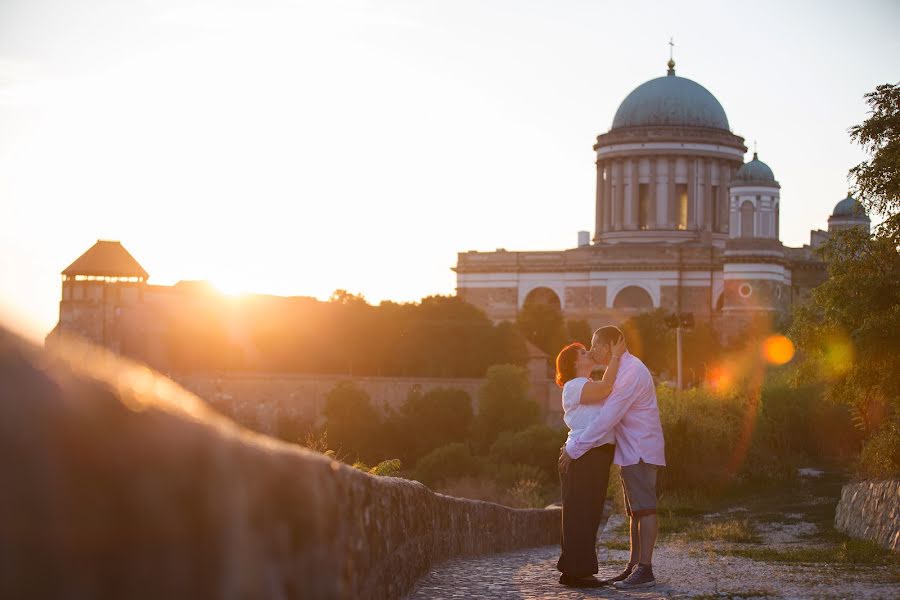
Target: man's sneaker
641 577
621 576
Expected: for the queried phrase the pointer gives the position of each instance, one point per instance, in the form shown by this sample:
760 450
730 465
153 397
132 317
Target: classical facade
682 223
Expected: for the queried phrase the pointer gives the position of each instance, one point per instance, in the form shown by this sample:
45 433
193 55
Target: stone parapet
117 483
871 510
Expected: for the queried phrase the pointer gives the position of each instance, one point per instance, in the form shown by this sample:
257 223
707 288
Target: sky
296 148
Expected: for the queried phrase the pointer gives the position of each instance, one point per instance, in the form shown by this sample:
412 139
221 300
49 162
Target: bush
436 418
880 456
538 446
701 432
447 462
505 403
351 420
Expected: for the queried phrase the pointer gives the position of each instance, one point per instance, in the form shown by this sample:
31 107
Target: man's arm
615 407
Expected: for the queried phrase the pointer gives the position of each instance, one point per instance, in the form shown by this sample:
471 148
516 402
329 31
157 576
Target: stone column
619 193
722 200
709 203
607 197
634 188
726 197
671 200
651 194
598 217
692 223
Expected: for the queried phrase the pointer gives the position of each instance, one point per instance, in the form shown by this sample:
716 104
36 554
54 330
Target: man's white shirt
629 417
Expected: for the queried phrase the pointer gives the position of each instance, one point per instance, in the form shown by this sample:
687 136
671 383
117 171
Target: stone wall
871 510
117 483
265 398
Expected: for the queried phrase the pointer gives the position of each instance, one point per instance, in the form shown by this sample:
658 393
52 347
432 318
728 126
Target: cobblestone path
531 574
523 574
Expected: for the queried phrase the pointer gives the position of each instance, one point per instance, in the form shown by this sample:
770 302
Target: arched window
747 213
633 298
543 295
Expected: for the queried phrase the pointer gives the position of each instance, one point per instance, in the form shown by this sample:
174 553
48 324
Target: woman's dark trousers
583 497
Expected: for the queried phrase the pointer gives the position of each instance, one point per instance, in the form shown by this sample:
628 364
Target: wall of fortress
266 398
117 483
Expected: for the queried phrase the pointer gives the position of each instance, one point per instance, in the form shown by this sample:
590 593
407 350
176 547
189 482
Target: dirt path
772 544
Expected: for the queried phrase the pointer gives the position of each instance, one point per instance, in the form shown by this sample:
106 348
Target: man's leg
636 541
640 484
649 527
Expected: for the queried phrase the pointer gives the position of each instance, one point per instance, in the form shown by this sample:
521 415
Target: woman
584 482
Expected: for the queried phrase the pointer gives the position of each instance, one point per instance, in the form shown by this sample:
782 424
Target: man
631 413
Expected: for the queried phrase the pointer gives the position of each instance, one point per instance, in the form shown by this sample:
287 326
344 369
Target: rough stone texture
117 483
871 510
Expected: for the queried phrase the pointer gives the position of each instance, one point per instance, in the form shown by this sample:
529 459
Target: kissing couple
615 419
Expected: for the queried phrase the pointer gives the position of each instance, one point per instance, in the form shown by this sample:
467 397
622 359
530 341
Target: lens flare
720 378
778 350
838 356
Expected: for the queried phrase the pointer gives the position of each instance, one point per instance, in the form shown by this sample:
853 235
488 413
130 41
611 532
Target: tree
543 325
579 330
352 422
650 339
505 403
877 181
508 345
435 418
848 330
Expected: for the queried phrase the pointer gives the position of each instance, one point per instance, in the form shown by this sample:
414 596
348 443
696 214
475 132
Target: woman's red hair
565 363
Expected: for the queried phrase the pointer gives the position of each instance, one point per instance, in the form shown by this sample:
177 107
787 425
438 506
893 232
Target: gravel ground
683 568
531 574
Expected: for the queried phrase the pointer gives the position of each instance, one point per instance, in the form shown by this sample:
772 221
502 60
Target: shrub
538 446
505 403
701 432
351 420
880 456
447 462
436 418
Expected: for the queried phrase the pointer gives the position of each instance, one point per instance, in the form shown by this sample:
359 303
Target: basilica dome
670 101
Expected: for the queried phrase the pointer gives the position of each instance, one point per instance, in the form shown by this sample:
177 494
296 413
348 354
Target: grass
616 545
734 530
849 552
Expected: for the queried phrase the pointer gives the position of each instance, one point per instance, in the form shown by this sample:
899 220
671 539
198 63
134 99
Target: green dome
849 207
755 171
670 101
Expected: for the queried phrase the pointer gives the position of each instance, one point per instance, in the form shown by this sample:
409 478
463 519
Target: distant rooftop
106 259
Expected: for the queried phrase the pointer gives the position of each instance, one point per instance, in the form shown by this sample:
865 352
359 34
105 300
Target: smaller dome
754 171
849 207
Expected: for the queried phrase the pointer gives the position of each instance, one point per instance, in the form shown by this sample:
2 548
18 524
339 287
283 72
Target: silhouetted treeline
441 336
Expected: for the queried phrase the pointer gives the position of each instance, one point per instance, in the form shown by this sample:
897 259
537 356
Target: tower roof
850 207
106 259
755 171
670 101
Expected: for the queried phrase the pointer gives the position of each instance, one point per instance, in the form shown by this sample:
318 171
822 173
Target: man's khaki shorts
639 488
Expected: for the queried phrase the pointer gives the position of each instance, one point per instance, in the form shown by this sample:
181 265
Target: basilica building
682 223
